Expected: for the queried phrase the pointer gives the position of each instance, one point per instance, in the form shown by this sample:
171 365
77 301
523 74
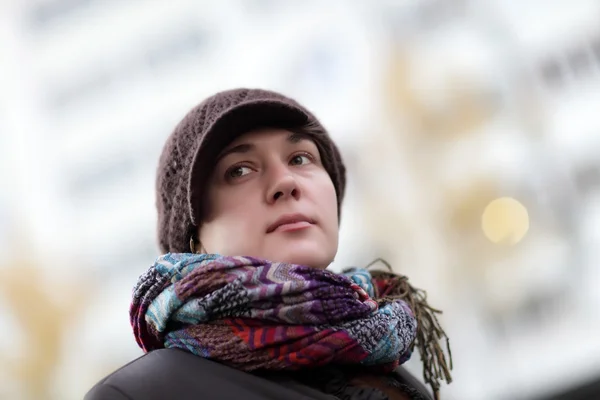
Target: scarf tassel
436 364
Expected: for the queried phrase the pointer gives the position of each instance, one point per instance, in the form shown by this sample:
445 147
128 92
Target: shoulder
160 374
105 392
125 382
403 376
176 374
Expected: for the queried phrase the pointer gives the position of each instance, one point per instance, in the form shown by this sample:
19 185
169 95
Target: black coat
176 374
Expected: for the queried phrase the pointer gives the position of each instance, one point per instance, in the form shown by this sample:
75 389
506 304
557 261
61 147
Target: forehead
262 136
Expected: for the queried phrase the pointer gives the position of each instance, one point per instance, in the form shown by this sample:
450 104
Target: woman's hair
312 130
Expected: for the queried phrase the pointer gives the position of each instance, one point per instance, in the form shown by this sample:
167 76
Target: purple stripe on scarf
300 316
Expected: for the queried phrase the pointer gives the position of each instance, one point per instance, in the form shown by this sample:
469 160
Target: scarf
253 314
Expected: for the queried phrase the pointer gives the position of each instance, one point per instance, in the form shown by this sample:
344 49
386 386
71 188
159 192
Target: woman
249 176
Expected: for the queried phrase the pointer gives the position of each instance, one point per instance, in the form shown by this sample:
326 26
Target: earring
193 249
192 244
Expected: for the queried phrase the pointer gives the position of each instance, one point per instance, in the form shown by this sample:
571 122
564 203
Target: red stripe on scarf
296 345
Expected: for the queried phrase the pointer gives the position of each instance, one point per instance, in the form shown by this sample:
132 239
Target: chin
314 256
311 247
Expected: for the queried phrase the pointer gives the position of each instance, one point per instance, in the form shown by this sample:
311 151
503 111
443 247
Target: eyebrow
242 148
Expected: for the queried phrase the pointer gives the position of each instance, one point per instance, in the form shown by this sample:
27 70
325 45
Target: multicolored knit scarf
253 314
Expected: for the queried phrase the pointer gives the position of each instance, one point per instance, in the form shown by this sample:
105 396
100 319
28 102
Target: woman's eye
238 172
300 159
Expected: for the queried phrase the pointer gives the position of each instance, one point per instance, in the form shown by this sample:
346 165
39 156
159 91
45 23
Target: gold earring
192 244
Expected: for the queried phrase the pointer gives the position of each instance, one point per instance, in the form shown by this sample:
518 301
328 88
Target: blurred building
438 106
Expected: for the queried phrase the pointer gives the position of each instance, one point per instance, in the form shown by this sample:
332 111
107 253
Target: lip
289 222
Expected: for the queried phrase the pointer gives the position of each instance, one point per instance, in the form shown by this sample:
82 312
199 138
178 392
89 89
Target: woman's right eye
238 172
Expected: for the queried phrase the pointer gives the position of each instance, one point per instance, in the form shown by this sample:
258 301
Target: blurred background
440 108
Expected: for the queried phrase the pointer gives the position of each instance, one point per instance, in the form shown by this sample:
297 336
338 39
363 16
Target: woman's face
270 197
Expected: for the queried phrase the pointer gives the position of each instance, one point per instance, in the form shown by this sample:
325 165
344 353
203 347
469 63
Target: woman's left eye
300 159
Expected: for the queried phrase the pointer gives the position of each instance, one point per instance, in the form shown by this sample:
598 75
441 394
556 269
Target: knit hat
189 154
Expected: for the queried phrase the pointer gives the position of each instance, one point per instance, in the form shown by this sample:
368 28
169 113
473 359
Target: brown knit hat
190 152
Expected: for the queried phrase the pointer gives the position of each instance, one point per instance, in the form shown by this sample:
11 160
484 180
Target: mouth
291 222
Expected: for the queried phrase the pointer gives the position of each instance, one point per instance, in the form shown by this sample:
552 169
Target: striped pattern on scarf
254 314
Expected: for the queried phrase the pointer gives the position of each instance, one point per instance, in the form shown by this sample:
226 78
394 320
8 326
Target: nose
283 186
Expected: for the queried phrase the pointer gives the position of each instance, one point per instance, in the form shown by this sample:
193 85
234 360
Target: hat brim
232 123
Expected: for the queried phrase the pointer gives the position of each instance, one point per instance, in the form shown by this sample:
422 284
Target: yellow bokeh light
505 221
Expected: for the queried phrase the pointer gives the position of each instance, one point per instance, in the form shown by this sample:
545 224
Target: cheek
234 211
224 204
233 226
327 202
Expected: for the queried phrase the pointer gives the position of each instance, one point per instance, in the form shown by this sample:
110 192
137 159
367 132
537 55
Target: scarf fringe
436 366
